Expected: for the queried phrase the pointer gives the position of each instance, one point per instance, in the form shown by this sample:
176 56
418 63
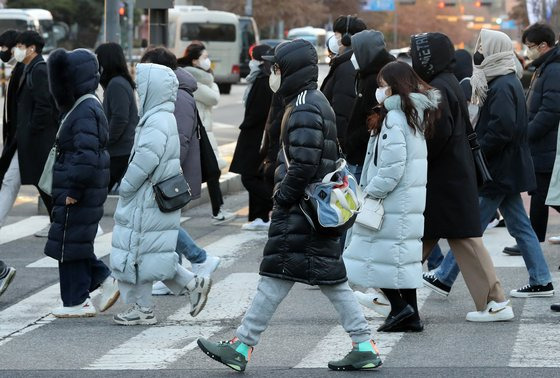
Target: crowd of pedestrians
408 133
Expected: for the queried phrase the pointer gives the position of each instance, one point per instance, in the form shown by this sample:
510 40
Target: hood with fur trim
72 74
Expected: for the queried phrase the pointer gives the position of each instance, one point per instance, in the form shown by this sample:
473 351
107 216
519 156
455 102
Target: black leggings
400 298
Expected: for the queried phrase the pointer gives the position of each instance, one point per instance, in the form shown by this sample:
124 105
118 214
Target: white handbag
371 214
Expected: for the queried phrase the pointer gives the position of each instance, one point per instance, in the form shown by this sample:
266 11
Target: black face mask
6 55
478 58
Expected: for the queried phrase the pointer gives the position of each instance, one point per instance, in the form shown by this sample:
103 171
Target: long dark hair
111 58
403 81
192 52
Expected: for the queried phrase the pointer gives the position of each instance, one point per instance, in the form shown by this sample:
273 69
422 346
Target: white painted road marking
161 345
23 228
337 342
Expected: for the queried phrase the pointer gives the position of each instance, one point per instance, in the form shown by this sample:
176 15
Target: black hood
432 54
370 52
297 60
463 64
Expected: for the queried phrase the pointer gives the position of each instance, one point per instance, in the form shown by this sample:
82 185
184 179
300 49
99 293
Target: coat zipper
64 235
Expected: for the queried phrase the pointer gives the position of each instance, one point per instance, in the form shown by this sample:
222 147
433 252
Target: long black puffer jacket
294 251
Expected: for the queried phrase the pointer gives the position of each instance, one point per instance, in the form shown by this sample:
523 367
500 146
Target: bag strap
78 102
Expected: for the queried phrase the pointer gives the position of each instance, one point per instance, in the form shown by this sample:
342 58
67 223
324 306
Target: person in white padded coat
395 170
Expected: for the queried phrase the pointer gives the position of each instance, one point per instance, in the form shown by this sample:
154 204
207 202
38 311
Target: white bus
317 37
39 20
226 36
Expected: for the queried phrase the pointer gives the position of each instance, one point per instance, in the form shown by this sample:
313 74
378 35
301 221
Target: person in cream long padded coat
144 238
207 96
391 257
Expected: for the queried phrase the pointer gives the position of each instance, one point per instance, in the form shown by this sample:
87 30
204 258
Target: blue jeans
188 248
519 226
356 170
435 259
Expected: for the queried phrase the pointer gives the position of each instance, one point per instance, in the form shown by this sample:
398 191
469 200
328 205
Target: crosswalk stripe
101 247
28 313
23 228
161 345
535 338
495 240
337 343
32 310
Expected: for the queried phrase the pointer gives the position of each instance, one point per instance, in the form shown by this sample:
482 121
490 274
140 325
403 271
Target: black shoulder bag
172 194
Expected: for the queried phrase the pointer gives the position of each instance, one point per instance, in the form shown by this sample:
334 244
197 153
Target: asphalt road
303 335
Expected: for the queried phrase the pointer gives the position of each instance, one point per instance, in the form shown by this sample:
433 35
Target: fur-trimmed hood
72 74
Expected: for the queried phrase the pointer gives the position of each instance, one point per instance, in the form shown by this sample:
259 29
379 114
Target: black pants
215 193
78 278
400 298
118 167
538 211
260 197
47 200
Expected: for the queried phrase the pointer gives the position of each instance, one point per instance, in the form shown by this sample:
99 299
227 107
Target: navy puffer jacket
294 251
81 170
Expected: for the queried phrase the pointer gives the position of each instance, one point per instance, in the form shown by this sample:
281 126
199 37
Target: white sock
192 284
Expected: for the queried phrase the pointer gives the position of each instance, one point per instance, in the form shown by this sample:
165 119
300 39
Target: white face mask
20 54
332 44
205 64
274 81
355 62
254 65
533 53
381 94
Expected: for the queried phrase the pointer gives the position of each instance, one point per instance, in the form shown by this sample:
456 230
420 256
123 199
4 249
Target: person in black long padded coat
452 209
294 251
80 182
246 158
339 85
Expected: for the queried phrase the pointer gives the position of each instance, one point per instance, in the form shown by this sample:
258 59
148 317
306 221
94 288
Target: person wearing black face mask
478 58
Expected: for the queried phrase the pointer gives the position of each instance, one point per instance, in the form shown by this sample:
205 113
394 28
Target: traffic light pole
112 24
130 28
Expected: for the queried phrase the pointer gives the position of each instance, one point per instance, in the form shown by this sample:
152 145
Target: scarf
499 60
255 69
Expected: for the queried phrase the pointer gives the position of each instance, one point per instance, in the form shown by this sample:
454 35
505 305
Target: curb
229 183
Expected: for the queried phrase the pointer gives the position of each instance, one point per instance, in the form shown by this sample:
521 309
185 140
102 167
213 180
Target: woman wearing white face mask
197 63
395 170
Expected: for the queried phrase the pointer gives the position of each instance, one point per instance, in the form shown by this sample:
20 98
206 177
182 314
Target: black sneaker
512 251
436 285
555 307
530 291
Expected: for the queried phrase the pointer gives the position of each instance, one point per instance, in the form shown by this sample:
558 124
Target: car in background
227 38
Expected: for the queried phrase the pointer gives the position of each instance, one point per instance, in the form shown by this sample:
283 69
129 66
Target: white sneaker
99 231
493 313
206 268
256 225
223 217
199 294
136 315
159 288
554 240
108 293
376 301
493 224
44 232
84 310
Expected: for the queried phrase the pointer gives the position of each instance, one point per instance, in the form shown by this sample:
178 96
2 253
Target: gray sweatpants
272 291
141 293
